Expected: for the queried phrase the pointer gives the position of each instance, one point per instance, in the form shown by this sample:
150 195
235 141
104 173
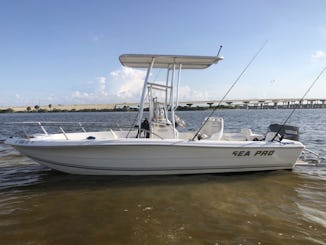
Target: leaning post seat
213 128
250 136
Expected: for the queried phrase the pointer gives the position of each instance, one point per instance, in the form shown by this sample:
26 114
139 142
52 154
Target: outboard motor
287 131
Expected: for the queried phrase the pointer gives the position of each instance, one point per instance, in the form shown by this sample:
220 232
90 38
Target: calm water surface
42 206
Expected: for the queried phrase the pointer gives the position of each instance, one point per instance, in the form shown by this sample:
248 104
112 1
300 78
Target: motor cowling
287 131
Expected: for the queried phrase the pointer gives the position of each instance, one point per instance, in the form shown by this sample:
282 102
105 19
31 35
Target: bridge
260 103
266 103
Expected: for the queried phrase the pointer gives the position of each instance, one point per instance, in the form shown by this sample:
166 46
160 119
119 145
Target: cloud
319 55
125 85
98 95
101 86
121 85
188 94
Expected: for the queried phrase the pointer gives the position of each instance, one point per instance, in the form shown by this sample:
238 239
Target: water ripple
38 205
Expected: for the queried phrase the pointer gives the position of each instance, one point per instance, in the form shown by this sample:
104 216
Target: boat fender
91 138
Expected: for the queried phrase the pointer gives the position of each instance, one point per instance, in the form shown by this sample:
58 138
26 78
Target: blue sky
66 52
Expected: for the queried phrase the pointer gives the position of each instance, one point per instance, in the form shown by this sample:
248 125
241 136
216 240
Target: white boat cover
167 61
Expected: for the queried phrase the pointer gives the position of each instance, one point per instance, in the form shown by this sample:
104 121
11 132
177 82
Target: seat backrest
246 132
213 128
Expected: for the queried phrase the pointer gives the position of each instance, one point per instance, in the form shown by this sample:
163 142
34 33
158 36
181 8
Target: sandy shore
71 107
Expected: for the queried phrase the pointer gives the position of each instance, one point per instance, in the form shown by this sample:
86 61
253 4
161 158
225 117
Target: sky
67 51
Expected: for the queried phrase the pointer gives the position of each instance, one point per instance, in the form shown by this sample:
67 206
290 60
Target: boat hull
155 158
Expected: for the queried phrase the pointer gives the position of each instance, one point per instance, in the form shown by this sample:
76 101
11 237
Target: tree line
50 108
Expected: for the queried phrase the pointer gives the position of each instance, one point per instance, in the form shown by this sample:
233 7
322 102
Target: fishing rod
229 90
313 83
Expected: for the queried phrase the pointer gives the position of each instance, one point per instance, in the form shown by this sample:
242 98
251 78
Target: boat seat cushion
250 136
213 128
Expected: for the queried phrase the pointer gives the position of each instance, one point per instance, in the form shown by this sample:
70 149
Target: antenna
233 84
219 50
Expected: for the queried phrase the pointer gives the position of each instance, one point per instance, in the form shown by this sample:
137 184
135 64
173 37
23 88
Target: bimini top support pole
177 88
173 100
142 100
167 84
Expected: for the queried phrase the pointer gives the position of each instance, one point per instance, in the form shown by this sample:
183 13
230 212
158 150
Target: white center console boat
155 146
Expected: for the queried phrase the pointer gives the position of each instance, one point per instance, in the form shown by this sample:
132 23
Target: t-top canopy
167 61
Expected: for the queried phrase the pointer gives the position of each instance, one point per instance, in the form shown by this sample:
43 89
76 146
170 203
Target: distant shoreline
93 108
125 107
286 103
58 107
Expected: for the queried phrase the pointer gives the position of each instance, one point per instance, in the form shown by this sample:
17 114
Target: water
42 206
